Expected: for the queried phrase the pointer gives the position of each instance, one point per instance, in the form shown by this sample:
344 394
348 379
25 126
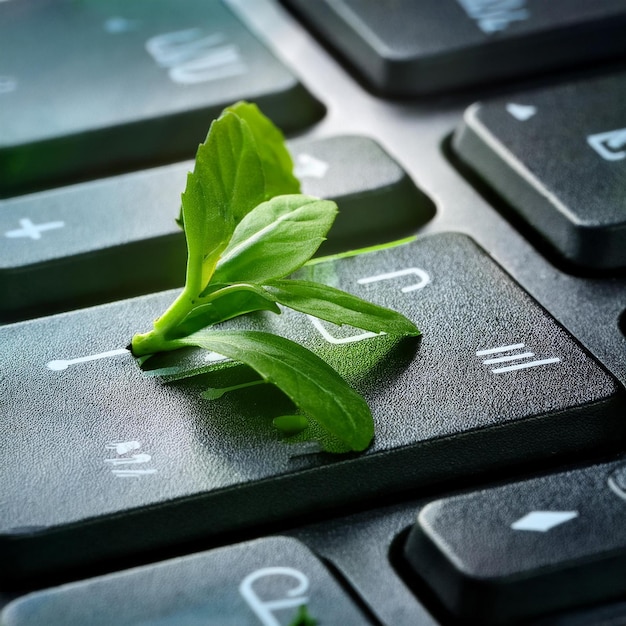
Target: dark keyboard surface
495 489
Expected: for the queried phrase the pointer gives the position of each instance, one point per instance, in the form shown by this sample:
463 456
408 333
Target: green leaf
339 307
290 424
224 304
226 183
275 158
315 387
275 239
242 162
303 618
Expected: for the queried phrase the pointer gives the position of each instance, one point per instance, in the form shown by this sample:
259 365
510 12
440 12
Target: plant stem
157 340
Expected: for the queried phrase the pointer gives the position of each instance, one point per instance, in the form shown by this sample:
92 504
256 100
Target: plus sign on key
28 229
31 239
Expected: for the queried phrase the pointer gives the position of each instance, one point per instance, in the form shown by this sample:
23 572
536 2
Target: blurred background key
91 88
404 47
270 581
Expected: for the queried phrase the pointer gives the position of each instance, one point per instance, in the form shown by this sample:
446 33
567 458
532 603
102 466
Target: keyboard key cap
102 88
558 157
95 452
505 554
117 237
411 48
377 200
266 581
92 242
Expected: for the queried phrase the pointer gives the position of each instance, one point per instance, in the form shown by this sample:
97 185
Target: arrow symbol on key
521 112
309 166
543 521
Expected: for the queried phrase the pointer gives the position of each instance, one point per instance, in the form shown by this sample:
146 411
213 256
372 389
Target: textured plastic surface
141 464
500 555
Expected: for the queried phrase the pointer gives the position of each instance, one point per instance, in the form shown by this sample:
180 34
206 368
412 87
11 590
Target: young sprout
248 228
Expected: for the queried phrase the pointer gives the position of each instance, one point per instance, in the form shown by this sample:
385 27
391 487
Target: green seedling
248 228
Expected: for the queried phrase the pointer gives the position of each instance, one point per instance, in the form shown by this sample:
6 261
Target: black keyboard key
92 242
558 157
117 237
503 555
403 47
94 451
94 88
377 200
268 581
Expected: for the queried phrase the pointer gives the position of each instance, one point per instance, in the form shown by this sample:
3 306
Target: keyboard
488 137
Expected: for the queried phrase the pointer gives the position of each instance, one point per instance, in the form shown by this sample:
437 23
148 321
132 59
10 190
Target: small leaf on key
307 380
339 307
248 228
290 424
275 239
303 618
